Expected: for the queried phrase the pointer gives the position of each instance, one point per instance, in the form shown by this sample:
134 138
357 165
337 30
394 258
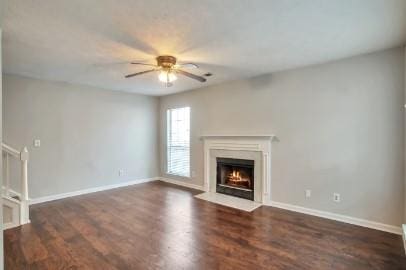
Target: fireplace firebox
235 177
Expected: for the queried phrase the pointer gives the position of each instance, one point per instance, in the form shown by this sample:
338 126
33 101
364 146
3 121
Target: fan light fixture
168 69
167 76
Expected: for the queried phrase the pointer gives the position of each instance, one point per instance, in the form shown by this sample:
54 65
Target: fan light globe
167 76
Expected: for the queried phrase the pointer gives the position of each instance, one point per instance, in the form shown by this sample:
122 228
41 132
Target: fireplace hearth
235 177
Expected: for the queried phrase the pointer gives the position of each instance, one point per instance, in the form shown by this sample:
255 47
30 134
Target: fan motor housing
166 61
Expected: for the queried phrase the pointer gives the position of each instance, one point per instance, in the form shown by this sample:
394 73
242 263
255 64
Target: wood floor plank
161 226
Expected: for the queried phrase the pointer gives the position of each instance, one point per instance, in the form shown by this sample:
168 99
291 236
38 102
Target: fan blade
187 65
139 73
190 75
143 64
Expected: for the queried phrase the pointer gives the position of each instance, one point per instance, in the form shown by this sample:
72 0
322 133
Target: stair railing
22 156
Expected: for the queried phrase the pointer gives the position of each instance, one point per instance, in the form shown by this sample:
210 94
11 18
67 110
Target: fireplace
235 177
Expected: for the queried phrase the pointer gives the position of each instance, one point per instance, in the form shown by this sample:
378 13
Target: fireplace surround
245 147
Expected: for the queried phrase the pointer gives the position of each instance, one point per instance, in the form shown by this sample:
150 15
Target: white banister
23 157
10 150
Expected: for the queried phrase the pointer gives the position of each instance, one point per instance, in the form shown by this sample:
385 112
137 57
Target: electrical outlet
308 193
336 197
37 143
193 175
120 172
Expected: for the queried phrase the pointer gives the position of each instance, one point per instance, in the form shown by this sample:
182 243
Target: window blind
178 141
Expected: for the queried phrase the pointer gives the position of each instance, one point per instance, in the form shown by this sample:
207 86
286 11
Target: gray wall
340 125
1 156
87 135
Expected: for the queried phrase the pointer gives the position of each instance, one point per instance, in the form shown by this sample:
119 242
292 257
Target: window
178 141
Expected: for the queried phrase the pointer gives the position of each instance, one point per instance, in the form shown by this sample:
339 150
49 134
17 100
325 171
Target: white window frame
169 115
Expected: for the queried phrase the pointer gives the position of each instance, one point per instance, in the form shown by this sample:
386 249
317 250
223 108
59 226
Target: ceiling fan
168 69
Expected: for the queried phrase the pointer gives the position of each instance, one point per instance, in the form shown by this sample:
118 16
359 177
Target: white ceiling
91 42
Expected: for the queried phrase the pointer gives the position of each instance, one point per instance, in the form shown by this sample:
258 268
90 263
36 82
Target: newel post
24 173
24 214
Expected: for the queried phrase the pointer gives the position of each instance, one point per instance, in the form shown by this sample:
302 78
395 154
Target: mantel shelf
243 136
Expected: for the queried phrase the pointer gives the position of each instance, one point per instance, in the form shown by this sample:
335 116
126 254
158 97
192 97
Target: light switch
37 143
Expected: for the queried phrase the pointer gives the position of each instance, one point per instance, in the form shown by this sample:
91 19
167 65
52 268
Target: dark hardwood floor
160 226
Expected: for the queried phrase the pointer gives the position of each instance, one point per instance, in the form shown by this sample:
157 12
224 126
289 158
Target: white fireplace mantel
258 143
246 136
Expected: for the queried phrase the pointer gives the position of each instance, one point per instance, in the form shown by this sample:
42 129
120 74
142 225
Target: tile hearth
233 202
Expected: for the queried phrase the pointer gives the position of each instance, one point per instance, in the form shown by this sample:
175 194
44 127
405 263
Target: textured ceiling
91 42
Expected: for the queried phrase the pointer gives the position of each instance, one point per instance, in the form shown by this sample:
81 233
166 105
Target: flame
235 175
235 178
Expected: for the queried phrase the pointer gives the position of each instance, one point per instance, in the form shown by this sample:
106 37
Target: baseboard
295 208
309 211
180 183
338 217
89 190
10 225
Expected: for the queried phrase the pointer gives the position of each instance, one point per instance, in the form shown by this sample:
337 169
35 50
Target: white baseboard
338 217
181 183
295 208
10 225
309 211
89 190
